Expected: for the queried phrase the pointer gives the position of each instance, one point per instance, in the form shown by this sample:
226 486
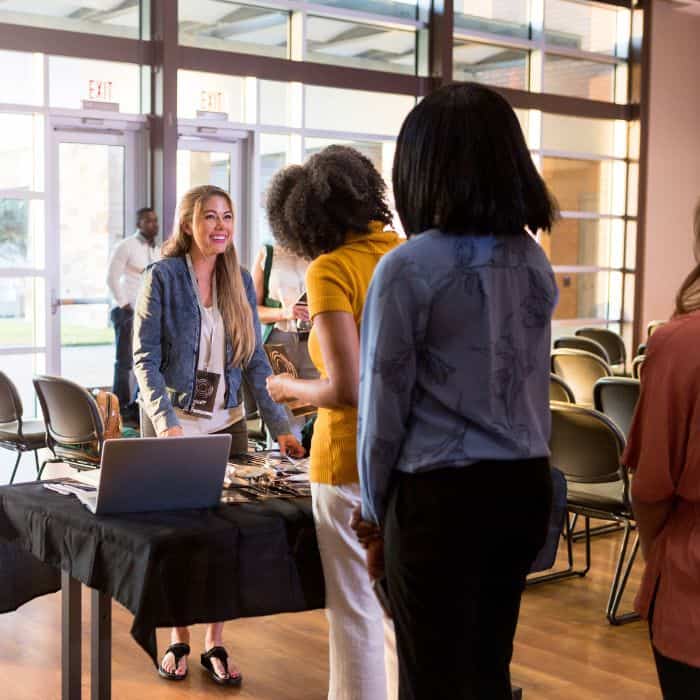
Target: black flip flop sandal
222 655
178 650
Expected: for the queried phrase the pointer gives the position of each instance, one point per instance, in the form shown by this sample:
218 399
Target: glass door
92 211
222 163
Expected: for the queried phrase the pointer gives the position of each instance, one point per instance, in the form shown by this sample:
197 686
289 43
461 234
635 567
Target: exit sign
211 101
100 90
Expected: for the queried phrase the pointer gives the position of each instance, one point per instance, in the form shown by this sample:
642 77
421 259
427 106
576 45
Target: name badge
205 393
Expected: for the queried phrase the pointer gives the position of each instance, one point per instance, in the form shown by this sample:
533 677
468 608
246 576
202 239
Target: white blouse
287 282
211 340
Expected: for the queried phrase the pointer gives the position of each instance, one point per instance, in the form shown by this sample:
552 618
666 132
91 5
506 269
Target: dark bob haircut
312 207
462 166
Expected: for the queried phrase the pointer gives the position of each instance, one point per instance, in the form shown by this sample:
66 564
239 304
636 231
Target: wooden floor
565 650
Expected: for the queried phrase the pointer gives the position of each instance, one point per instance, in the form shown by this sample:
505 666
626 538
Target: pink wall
673 181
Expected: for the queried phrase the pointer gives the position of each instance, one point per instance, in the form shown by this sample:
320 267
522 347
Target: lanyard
202 308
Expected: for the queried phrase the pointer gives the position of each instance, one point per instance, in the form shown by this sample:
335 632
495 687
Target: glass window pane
196 168
407 9
492 65
586 26
211 92
632 189
103 167
583 185
588 242
229 26
577 78
72 80
21 370
628 314
360 45
634 139
21 152
109 17
21 312
589 295
508 17
631 246
280 103
87 345
574 134
349 110
21 233
275 154
22 78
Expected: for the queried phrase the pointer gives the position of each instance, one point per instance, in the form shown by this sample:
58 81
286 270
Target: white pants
362 646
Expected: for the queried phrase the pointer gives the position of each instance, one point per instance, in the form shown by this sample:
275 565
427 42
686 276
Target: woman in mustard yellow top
333 211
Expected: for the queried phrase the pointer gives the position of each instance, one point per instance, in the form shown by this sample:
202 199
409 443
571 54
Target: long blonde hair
688 297
233 303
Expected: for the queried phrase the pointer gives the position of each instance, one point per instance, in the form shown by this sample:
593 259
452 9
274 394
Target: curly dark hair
312 207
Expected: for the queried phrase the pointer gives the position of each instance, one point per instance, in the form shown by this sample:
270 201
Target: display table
169 568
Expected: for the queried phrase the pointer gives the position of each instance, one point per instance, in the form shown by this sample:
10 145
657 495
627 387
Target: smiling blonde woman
196 337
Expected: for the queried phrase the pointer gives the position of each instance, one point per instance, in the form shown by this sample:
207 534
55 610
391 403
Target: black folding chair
74 429
586 446
16 434
612 342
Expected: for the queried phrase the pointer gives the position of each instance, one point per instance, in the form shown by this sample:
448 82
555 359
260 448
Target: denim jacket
167 328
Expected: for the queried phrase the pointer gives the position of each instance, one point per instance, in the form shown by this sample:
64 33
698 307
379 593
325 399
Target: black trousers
123 322
678 680
458 546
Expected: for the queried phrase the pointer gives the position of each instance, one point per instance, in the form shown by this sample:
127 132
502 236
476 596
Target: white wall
673 181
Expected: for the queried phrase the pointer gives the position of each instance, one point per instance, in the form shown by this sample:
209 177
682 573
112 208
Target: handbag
267 301
108 406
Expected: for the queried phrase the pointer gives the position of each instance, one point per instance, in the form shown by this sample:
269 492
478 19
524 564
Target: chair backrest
637 363
10 403
573 342
617 398
559 390
74 428
654 326
612 342
580 370
587 446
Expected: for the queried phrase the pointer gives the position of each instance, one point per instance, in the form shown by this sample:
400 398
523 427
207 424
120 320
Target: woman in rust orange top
664 453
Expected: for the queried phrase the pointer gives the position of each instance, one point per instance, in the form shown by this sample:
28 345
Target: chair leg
14 470
36 461
569 571
597 530
51 460
620 578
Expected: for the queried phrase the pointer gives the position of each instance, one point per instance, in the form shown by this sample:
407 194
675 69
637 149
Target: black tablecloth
169 569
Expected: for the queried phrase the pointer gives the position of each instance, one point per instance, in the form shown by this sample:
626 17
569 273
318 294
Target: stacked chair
16 434
612 342
617 398
580 370
559 390
573 342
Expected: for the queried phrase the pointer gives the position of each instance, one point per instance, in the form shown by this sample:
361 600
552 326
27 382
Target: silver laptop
148 474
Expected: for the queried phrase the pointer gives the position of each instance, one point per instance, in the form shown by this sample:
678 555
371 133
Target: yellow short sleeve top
338 281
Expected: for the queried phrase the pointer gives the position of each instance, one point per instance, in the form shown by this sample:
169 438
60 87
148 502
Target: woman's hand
366 531
290 445
375 558
278 387
301 312
174 431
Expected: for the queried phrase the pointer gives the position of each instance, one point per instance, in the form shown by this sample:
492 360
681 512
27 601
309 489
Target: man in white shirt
129 259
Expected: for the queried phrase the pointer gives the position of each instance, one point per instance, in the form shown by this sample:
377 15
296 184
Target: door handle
74 301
